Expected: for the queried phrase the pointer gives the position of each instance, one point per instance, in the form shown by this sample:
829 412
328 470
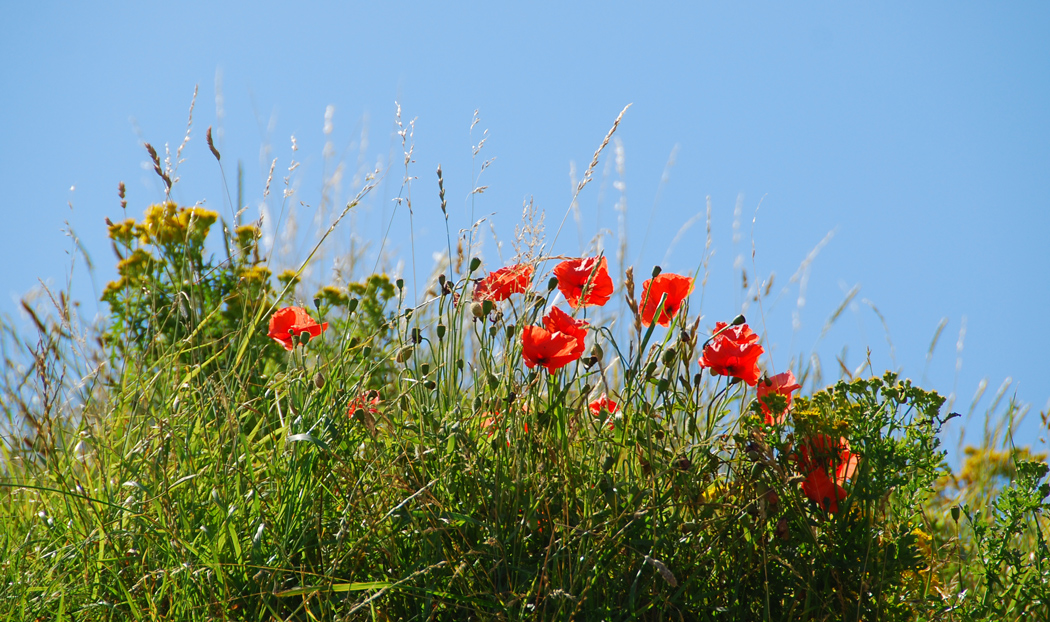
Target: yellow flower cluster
133 270
166 224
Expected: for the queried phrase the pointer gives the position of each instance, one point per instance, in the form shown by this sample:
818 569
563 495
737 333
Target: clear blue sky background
918 132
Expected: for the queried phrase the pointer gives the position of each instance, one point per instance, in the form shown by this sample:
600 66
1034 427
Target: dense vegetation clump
227 450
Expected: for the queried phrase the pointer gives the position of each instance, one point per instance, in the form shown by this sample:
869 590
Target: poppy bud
351 305
319 380
477 310
317 304
552 283
416 336
597 352
475 264
955 513
424 369
487 307
738 320
441 331
782 529
669 356
404 354
400 284
656 271
441 281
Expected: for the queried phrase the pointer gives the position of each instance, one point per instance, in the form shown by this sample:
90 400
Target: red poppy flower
819 456
603 403
822 451
552 350
734 353
499 285
288 323
558 321
781 384
675 286
584 282
367 402
819 487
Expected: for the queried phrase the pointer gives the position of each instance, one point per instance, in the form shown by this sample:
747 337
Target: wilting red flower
288 323
499 285
819 456
558 321
603 403
584 282
675 286
781 384
734 353
551 349
367 402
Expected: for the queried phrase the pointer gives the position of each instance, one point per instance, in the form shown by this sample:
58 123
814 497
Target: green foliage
407 464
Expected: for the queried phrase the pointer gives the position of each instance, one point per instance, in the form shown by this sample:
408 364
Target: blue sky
917 132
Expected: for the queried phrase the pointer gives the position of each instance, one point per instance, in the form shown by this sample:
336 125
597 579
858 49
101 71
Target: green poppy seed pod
477 310
669 356
319 380
656 271
351 305
304 337
552 283
955 513
400 284
404 354
441 331
430 385
475 264
317 304
424 369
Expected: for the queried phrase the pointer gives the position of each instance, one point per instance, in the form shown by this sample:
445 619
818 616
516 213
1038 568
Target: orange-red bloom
552 350
821 455
499 285
288 323
819 487
558 321
781 384
368 402
676 288
584 282
606 404
733 353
